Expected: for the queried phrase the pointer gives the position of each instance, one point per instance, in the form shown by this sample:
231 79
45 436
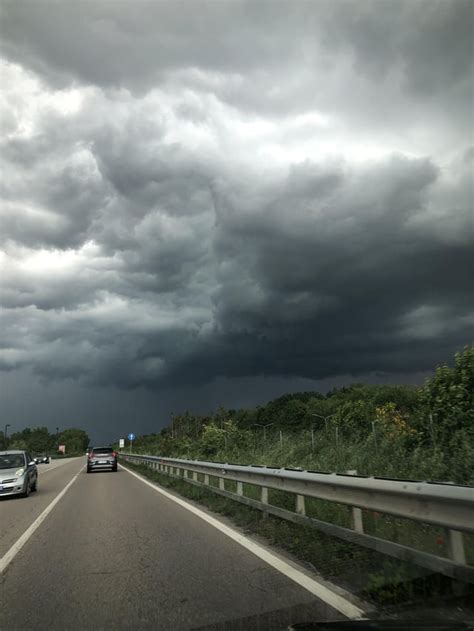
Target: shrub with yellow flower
393 423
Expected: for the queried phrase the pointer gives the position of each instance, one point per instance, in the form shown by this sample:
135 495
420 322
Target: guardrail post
357 523
185 473
195 476
300 505
264 499
206 479
222 484
240 488
178 471
456 546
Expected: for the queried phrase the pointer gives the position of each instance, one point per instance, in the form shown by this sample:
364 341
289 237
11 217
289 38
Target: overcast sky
211 203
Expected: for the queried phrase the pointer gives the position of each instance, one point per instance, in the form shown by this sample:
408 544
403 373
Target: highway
114 553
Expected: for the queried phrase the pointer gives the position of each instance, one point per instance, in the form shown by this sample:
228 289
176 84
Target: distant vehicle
101 458
18 473
44 459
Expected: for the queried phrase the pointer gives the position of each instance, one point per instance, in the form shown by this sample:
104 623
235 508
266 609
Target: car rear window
102 450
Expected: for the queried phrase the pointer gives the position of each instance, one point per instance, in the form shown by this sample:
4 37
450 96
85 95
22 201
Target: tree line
38 440
425 431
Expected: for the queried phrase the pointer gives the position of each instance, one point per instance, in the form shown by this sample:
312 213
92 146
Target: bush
394 431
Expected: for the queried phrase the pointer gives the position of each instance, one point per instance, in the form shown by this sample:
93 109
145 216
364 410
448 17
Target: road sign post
131 438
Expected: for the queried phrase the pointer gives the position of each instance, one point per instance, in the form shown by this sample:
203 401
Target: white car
18 473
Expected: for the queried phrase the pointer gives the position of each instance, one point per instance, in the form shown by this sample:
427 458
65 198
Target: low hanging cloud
268 202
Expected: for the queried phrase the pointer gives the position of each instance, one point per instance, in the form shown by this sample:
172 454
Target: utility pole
5 434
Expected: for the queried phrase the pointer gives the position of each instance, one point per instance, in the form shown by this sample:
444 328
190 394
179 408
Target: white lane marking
19 543
321 591
53 466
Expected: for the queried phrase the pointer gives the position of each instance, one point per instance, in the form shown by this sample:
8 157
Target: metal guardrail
448 506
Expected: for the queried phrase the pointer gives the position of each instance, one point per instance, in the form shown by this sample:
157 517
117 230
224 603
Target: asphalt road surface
113 553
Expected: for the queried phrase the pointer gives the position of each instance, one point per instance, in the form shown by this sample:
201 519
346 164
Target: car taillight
114 454
90 455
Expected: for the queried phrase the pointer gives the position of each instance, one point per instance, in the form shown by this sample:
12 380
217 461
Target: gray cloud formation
235 189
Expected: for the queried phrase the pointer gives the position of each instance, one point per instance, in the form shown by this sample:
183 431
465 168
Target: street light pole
325 418
5 434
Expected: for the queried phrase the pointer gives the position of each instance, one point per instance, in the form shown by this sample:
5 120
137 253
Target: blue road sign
131 437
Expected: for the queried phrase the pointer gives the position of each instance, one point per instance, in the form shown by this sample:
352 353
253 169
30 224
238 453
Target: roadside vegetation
424 433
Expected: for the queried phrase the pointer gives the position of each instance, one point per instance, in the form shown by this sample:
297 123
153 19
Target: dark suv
101 458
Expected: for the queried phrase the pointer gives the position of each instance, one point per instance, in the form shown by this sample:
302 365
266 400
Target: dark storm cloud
335 272
282 189
116 44
225 47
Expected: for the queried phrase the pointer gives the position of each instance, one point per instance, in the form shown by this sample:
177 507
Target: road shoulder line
19 543
315 587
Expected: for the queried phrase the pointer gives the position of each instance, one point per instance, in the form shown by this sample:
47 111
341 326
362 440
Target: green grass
386 458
